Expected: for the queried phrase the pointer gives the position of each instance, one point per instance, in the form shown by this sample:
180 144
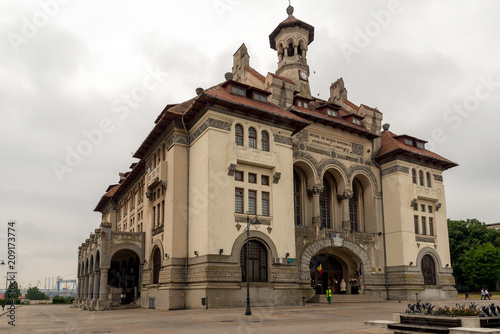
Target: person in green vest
329 295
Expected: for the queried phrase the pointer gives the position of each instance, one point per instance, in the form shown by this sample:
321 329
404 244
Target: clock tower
291 39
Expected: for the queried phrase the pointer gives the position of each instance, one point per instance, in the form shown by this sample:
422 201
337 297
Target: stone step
345 298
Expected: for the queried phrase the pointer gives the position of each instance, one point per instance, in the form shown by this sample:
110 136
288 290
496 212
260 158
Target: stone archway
350 251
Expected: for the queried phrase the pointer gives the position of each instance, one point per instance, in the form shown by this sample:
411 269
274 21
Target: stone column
346 220
90 289
84 288
95 294
103 302
315 191
79 294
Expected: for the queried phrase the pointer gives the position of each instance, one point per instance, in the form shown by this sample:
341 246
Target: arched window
421 177
265 141
252 138
238 129
428 178
428 270
296 199
354 206
257 262
156 265
414 176
325 206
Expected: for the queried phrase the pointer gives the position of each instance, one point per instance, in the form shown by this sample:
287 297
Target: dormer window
332 112
237 90
356 121
299 103
420 144
409 141
259 97
305 104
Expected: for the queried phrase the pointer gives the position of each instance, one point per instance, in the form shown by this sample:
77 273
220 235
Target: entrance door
330 276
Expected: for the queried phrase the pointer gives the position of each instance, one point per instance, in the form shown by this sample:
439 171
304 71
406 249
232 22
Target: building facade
340 203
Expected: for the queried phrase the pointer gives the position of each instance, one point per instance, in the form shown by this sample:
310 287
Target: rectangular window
356 121
154 216
420 144
305 104
265 204
431 226
408 141
237 90
299 103
422 207
238 175
252 202
259 97
252 178
238 199
331 112
163 212
424 226
415 223
429 208
265 180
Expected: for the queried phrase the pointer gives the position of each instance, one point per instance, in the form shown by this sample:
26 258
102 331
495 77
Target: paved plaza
341 318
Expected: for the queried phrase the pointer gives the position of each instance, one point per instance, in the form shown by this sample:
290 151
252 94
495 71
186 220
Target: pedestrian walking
486 294
482 294
329 295
3 304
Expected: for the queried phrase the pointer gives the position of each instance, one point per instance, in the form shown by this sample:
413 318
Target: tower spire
289 10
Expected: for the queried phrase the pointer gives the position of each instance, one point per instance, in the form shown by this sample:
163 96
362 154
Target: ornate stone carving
210 123
231 169
315 190
282 139
346 224
438 177
269 229
395 169
317 150
346 195
303 135
276 177
357 149
305 230
425 239
316 221
176 138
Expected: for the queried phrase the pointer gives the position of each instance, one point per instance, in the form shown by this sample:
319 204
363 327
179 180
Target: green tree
13 292
481 265
464 235
35 294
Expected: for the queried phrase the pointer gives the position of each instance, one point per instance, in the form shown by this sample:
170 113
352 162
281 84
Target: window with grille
238 199
354 209
415 223
265 141
296 199
325 204
257 259
252 202
431 226
424 226
238 129
265 204
421 177
414 176
252 138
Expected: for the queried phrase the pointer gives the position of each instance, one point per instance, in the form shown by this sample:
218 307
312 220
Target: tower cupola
291 40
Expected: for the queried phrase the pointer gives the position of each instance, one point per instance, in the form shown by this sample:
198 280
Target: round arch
308 170
339 176
159 244
242 239
319 245
366 177
97 265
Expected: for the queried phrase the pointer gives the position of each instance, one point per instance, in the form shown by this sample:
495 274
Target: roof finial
289 10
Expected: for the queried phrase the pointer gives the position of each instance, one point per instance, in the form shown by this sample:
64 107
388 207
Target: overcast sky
74 70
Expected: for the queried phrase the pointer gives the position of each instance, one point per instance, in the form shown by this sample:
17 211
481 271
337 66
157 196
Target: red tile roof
256 74
352 105
391 146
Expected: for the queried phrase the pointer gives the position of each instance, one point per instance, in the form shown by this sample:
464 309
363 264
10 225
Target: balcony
156 176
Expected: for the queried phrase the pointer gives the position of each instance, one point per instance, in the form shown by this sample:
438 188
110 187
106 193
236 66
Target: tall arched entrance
124 275
326 272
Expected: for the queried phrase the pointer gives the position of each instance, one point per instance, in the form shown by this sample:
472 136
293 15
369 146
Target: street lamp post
254 221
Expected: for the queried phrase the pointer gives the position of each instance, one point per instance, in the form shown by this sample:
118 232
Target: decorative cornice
176 139
395 169
210 123
438 177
